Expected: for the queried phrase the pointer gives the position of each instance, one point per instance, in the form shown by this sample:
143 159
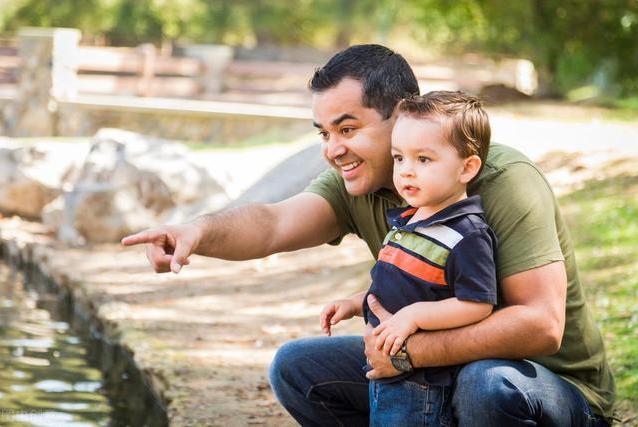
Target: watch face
401 364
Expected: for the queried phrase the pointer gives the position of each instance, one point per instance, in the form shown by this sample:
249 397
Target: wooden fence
139 71
143 71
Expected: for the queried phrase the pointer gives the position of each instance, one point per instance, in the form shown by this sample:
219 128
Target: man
542 329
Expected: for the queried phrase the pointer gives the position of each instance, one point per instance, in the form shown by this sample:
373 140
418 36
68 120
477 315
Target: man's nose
334 149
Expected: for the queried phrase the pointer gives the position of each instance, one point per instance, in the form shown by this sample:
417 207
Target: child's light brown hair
465 122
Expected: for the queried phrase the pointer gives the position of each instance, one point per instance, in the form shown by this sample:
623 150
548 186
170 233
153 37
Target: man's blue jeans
320 381
406 403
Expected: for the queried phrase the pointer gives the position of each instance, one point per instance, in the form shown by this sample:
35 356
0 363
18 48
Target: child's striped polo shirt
450 254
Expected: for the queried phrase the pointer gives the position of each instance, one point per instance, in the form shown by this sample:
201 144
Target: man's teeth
350 166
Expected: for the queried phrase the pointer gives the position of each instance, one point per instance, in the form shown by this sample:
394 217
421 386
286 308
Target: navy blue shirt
450 254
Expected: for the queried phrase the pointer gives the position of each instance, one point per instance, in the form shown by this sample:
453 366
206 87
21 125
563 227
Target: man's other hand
167 247
380 361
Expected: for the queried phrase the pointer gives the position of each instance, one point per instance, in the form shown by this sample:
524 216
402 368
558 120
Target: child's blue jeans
406 403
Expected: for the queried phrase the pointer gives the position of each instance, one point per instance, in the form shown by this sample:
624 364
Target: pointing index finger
148 236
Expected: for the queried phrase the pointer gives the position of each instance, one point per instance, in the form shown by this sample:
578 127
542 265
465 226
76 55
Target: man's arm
531 324
247 232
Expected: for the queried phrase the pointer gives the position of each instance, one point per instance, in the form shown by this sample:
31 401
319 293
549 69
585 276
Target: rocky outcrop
128 182
286 179
32 174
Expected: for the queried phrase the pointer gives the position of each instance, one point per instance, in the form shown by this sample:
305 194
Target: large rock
129 182
32 174
286 179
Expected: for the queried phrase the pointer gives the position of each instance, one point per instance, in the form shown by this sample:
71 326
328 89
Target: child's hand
336 311
392 332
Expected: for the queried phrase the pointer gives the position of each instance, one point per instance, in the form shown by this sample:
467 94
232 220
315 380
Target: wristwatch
401 360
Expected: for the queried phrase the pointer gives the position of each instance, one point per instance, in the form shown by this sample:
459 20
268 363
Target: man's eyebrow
336 121
343 117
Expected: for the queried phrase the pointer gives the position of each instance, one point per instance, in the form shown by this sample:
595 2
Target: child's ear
471 167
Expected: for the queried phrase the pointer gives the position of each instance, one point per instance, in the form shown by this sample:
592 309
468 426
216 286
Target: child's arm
429 315
341 309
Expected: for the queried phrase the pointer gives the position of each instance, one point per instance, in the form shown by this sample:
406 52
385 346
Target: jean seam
321 402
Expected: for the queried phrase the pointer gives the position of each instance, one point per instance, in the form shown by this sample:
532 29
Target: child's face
428 170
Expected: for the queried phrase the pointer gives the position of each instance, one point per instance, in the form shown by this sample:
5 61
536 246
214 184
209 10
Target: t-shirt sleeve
471 269
330 186
521 210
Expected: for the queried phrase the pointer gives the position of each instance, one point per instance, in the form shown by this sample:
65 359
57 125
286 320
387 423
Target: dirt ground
207 335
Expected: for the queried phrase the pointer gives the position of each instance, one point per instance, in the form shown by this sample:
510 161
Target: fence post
147 72
216 59
48 73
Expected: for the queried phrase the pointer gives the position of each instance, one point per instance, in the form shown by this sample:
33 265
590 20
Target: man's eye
346 131
423 159
323 134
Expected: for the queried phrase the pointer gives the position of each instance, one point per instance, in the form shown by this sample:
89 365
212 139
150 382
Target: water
45 376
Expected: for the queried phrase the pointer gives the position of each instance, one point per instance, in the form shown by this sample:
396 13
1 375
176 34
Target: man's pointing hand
167 247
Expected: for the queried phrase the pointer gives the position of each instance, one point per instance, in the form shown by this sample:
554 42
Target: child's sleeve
471 268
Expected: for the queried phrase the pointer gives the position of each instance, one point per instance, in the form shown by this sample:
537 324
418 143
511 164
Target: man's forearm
513 332
236 234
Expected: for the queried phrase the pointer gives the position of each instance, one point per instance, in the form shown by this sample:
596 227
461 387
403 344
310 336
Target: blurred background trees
579 46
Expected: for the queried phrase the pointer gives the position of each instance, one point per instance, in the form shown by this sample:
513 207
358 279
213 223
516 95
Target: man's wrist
401 360
200 226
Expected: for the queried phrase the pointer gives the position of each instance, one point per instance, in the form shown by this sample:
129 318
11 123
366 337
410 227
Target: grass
603 219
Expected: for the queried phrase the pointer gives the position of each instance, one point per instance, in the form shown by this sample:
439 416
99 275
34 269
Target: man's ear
471 167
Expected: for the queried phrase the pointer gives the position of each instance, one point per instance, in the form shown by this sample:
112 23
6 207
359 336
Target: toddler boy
436 269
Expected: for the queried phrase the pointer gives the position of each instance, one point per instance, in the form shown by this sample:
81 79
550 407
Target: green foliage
573 42
52 13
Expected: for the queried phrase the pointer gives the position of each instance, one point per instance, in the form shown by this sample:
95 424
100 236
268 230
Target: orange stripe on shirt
409 212
412 265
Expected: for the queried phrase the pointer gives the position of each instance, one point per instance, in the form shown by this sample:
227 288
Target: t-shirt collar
399 217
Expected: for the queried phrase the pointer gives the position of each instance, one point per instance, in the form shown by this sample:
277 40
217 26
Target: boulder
128 182
288 178
33 173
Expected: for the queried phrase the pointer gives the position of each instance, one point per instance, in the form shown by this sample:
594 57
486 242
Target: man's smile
347 167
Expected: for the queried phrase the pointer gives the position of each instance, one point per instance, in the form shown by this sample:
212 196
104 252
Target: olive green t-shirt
521 209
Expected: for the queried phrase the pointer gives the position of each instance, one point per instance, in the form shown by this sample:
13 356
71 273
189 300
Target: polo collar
399 217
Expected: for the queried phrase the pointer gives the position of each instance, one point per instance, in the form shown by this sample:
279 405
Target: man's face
427 169
356 139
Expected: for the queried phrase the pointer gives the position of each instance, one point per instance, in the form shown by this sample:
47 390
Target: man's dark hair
386 76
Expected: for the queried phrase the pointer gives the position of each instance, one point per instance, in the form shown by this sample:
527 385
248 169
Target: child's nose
406 170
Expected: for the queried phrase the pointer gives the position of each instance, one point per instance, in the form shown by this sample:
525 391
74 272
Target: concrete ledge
137 391
180 119
186 107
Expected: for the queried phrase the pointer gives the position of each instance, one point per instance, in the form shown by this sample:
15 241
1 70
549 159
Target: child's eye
423 159
397 157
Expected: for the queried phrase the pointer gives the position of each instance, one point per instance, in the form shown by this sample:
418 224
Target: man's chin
355 189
